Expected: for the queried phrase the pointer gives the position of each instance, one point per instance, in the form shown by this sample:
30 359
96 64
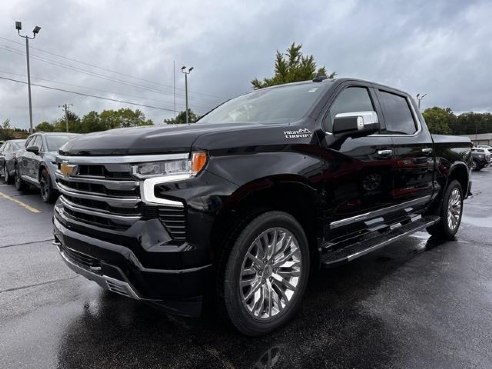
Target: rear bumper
116 268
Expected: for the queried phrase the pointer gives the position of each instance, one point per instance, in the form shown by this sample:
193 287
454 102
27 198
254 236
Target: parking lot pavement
415 304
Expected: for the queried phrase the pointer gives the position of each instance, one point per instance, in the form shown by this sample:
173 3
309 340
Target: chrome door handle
385 152
426 150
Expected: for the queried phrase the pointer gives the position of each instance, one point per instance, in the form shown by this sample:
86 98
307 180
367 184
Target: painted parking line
20 203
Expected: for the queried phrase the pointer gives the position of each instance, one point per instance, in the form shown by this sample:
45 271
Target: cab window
398 116
352 99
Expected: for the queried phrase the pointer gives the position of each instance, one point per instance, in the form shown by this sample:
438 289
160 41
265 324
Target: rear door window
397 114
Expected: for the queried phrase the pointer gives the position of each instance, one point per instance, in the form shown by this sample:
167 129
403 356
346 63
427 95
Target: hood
174 138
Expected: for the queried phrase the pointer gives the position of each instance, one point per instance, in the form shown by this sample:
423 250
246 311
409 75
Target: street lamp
183 69
35 31
419 99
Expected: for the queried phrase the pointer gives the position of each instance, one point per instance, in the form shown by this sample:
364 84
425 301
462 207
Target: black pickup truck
265 188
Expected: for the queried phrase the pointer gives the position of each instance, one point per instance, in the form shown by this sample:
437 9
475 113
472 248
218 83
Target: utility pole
183 69
65 109
35 31
419 99
174 87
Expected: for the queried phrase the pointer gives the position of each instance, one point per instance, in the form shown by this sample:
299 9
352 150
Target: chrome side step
358 249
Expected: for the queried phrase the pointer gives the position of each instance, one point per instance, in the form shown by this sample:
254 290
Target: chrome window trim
377 213
147 189
126 159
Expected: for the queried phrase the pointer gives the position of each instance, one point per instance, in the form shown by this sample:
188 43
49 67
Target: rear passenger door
413 149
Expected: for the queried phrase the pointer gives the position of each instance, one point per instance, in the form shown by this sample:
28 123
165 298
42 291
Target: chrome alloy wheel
270 273
454 209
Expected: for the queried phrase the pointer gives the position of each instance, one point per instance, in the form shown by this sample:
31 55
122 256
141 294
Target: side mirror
33 149
360 123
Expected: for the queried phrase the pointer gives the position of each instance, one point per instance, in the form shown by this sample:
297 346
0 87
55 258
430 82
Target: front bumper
116 268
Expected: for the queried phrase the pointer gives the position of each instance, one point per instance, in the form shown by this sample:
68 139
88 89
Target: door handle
427 150
385 153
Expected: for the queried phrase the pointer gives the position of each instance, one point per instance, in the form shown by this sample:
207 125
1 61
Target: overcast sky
125 50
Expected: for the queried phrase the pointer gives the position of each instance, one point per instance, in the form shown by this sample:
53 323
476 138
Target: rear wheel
19 183
450 213
265 274
48 193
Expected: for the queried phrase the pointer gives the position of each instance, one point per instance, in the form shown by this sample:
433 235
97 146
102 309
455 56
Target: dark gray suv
35 164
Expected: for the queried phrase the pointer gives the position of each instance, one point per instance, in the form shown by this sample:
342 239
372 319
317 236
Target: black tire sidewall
49 191
236 312
446 231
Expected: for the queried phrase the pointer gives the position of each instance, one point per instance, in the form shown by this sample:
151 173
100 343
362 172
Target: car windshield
55 142
16 145
282 104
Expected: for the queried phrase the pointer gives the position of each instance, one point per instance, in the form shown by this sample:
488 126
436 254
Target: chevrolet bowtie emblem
68 169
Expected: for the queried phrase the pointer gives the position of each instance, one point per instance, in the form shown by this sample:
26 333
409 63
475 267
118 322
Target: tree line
445 121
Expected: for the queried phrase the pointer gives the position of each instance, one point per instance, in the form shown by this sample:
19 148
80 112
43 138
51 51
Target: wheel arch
291 194
459 171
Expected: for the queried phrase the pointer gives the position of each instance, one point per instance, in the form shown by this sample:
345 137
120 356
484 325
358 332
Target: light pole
65 108
419 99
183 69
35 31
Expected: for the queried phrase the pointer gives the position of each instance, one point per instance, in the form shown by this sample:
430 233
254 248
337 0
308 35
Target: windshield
55 142
277 105
17 144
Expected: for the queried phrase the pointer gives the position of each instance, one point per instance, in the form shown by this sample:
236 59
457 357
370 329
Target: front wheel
47 191
450 213
266 274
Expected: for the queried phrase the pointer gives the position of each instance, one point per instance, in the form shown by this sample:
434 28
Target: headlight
171 167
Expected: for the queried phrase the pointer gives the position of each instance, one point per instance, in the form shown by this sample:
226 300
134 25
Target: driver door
358 189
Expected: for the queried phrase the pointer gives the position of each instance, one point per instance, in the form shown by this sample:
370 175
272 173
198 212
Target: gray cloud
441 48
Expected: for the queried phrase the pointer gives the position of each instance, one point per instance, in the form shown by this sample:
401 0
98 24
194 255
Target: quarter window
352 99
397 114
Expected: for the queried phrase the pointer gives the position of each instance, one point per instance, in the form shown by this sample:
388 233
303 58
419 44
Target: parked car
258 192
35 164
488 147
8 153
480 158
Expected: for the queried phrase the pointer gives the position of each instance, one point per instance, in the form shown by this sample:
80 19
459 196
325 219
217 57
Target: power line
88 95
94 89
111 71
93 74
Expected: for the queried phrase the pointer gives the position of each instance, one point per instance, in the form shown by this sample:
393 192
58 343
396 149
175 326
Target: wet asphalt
418 303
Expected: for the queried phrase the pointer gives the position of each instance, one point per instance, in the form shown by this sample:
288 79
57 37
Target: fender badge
300 133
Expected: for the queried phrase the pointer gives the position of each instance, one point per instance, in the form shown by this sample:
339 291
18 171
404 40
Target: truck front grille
107 196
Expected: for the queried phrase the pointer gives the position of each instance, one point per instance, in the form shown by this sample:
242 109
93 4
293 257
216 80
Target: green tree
124 117
91 122
181 118
44 127
6 131
439 119
292 66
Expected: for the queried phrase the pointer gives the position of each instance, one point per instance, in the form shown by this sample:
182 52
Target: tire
450 213
6 176
48 193
19 183
278 280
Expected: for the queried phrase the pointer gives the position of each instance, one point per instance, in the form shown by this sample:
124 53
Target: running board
349 253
